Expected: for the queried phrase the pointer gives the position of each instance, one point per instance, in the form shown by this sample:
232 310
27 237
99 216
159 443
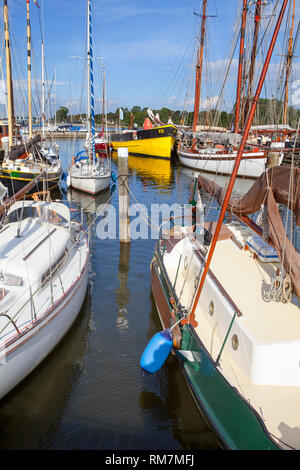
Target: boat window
11 280
3 293
50 273
57 219
31 212
22 213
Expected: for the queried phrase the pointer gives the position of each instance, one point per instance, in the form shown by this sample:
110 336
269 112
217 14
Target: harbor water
91 393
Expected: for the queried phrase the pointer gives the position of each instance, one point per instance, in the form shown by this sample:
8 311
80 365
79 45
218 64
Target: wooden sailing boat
220 158
24 160
156 142
280 133
227 295
87 173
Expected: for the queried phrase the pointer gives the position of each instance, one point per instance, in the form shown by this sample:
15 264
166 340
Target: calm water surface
90 393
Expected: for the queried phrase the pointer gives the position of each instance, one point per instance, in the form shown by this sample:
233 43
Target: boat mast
43 75
9 87
240 71
257 20
191 317
288 66
29 71
90 97
199 68
104 133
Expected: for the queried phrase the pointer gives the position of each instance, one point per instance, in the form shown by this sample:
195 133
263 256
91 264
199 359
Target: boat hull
89 184
252 165
31 347
157 142
236 423
16 180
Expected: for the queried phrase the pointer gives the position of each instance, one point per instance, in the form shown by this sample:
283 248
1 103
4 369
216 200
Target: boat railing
49 276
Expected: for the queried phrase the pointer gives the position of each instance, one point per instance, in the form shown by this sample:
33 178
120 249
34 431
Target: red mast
240 72
191 317
199 67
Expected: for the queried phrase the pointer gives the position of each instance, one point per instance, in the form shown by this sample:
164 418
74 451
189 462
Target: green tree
62 114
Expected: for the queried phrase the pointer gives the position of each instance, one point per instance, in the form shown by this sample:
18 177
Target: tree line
269 111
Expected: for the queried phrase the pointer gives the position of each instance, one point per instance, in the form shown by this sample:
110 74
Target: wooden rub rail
39 244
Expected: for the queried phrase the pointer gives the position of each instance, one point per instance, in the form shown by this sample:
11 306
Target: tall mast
43 74
240 71
103 104
29 71
55 98
9 87
191 317
257 20
90 98
288 65
199 67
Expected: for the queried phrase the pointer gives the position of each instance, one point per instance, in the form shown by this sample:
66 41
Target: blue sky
148 48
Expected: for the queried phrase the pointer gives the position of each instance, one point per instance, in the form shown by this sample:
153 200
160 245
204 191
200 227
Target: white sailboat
89 173
43 283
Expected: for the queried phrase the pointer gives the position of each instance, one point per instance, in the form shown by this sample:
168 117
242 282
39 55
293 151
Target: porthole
211 308
235 342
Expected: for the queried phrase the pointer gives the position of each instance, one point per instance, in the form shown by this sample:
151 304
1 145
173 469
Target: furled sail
277 185
17 151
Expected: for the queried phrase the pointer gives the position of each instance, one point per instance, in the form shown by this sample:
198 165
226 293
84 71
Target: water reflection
89 204
167 403
30 415
241 185
151 172
123 293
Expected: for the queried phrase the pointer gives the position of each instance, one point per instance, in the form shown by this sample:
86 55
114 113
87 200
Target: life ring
134 135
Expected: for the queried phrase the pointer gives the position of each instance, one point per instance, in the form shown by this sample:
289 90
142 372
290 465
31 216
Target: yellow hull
159 144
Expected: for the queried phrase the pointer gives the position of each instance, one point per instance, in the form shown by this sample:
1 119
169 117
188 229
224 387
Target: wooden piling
124 231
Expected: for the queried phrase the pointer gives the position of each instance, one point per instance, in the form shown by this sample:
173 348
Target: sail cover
278 185
18 150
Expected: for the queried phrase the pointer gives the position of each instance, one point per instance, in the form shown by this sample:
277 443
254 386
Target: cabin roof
28 250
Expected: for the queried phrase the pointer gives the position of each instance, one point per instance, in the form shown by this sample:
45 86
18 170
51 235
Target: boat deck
268 322
264 330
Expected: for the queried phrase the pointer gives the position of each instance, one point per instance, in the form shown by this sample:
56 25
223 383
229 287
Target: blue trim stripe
92 84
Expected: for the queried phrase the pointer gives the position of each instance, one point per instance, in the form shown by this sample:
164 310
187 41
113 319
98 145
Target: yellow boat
157 142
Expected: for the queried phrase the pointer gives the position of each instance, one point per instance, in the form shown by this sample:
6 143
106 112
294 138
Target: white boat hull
24 354
89 183
252 165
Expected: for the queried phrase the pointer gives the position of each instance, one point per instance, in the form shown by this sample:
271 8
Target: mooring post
123 195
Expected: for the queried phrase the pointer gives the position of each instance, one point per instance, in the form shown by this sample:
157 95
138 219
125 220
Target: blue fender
157 351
